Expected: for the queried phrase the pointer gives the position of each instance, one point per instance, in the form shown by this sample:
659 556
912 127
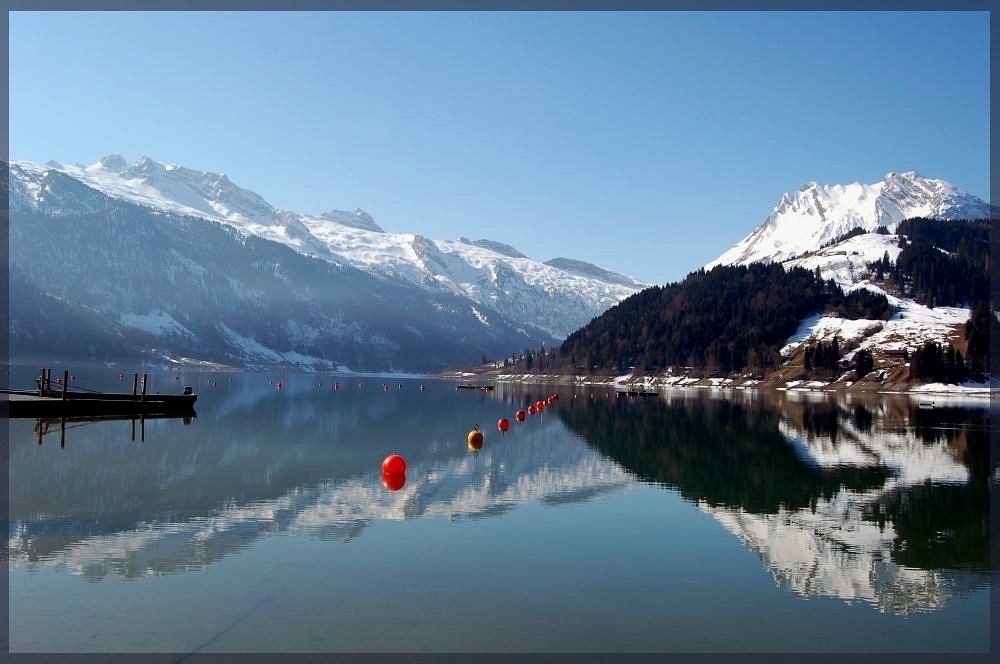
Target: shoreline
977 391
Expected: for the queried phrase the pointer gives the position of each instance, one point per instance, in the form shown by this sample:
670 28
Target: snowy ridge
816 214
585 269
557 299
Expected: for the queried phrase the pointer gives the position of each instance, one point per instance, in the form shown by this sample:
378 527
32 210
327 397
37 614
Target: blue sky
647 143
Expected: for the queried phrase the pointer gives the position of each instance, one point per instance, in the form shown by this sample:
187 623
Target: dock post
41 382
135 384
144 387
62 433
65 383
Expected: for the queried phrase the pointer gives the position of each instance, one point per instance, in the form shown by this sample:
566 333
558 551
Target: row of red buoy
503 424
394 465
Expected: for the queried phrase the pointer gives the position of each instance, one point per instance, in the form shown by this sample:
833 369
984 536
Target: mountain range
166 264
216 274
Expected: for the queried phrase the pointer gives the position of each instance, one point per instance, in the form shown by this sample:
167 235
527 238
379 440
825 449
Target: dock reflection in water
876 502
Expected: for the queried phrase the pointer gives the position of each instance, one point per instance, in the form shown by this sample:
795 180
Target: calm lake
696 521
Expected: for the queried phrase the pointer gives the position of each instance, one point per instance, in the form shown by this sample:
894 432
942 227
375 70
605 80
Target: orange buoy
503 424
393 481
393 463
475 439
520 416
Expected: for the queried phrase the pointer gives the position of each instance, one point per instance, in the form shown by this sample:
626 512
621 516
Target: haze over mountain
466 298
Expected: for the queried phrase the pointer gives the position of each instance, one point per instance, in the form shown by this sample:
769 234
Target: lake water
683 522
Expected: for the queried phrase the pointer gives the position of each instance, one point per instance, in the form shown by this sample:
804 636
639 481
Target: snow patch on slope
157 322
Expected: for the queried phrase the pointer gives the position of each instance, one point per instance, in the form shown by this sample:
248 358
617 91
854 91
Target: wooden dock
66 402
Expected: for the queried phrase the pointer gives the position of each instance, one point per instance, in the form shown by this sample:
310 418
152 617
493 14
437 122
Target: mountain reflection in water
255 467
878 501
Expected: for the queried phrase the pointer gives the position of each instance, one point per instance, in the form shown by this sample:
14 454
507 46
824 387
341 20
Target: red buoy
503 424
531 409
393 481
520 416
393 464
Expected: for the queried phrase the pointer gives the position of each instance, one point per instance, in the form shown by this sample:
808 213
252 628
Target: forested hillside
737 318
942 263
727 319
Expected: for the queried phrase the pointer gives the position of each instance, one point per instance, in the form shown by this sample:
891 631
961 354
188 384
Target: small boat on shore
485 388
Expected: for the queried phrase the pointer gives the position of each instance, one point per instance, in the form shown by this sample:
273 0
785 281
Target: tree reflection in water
878 501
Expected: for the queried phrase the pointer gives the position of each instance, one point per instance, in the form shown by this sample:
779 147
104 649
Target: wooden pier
46 402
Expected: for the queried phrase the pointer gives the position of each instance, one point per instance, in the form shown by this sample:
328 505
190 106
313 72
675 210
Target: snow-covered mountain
810 227
817 214
116 235
490 273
